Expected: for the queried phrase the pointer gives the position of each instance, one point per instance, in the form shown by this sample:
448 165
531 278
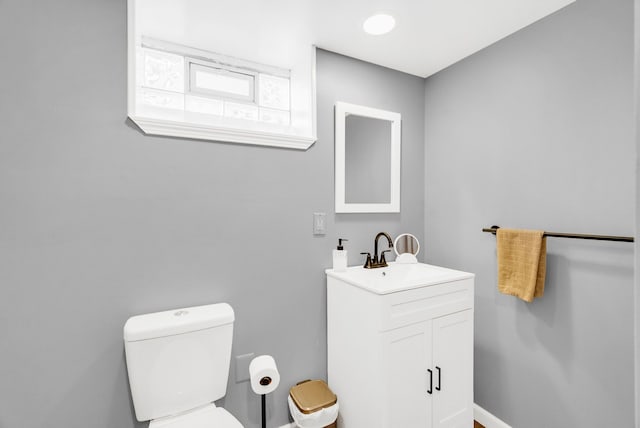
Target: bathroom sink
397 276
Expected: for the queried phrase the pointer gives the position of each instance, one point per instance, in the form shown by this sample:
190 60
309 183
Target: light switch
319 223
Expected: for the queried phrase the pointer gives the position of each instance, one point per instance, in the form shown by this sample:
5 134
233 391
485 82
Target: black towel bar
493 229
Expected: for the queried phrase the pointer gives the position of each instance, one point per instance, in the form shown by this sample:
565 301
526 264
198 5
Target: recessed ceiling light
379 24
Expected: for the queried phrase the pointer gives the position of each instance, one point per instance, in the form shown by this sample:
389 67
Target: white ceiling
430 34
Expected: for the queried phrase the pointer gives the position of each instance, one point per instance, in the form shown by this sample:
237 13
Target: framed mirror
367 162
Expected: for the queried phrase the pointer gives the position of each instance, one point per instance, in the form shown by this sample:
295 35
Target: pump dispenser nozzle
340 247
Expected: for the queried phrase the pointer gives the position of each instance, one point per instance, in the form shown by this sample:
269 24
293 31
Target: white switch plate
319 223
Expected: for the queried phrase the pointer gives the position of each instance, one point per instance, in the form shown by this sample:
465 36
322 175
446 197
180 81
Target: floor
477 425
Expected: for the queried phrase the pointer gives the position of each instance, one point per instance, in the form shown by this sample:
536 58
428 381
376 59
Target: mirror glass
367 160
406 244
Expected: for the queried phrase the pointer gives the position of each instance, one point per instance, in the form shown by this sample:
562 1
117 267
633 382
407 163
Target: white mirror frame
342 110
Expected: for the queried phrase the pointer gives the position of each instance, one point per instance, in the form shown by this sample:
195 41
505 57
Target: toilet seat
208 416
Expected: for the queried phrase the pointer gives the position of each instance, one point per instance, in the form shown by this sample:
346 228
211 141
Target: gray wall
637 233
99 222
537 132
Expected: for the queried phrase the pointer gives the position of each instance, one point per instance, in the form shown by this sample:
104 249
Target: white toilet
178 365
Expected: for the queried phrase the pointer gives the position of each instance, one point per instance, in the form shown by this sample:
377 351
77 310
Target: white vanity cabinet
400 347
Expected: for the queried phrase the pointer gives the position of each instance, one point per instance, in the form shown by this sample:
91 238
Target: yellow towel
522 262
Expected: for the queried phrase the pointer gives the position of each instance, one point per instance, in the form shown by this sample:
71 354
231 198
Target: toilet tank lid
177 321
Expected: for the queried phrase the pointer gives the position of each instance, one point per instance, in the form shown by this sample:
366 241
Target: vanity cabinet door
410 384
453 370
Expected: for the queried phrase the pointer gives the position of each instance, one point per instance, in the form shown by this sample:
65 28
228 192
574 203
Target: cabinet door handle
430 390
439 378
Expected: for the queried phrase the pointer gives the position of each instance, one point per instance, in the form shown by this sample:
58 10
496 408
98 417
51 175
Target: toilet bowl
178 365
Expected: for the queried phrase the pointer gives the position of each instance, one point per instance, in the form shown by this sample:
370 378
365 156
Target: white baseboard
487 419
479 414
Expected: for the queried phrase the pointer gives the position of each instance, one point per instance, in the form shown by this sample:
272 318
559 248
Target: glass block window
274 92
241 111
204 105
163 71
209 84
279 117
162 99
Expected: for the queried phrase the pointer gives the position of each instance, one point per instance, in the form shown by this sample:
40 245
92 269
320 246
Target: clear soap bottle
340 257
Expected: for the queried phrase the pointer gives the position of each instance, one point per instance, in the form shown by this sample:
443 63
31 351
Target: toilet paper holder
265 379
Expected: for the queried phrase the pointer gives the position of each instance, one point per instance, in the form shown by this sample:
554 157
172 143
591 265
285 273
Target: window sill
217 133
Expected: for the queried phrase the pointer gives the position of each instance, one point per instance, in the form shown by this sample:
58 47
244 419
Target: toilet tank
178 360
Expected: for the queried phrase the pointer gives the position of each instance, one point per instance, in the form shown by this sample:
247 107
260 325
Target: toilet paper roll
264 374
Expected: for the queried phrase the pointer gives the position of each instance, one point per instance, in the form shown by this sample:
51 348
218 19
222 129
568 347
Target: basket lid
312 395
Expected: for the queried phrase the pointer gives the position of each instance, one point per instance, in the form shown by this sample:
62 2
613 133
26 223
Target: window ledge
216 133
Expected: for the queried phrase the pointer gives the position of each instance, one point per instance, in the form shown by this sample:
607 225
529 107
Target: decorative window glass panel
241 111
278 117
274 92
204 105
163 70
225 83
163 99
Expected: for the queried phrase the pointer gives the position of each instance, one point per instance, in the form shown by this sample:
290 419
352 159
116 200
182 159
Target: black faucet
381 261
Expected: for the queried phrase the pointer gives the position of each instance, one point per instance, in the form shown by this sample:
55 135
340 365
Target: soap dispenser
340 257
